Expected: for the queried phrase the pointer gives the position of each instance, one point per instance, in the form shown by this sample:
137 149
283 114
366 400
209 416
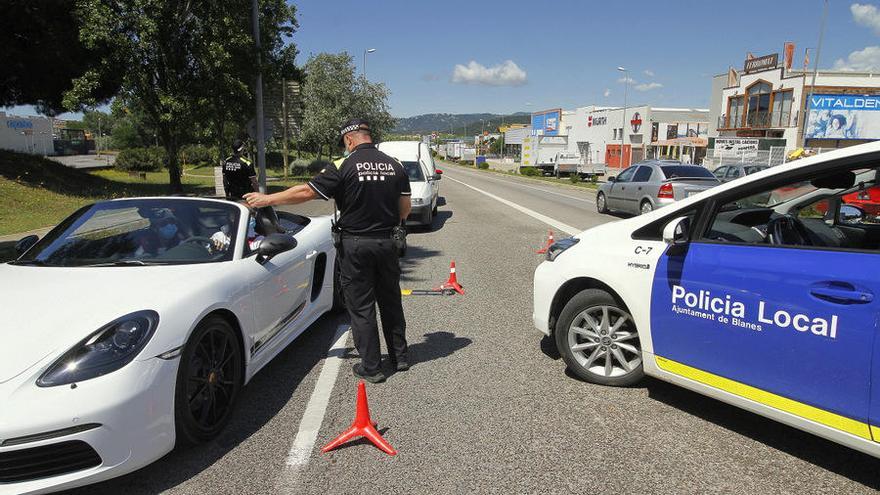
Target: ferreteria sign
761 63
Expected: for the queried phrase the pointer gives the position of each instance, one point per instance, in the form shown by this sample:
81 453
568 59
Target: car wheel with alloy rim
646 207
597 338
600 203
209 380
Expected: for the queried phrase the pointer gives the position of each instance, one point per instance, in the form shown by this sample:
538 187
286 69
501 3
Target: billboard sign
843 117
735 148
760 63
19 124
546 123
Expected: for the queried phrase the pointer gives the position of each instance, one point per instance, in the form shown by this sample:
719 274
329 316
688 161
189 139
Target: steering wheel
205 242
788 230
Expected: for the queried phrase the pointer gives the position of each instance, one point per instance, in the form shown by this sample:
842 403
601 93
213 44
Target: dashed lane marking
532 213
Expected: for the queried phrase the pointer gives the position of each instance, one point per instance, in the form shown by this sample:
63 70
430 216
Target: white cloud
504 74
649 72
626 79
648 86
867 59
607 92
866 15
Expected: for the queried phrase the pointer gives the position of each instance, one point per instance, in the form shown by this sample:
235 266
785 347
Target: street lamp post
369 50
805 119
258 96
623 126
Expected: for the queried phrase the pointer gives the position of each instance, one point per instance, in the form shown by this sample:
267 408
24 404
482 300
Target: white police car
762 292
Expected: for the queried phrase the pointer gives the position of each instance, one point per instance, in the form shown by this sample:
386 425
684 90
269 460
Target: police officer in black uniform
372 193
239 176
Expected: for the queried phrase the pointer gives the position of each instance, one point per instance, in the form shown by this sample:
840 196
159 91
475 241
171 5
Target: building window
734 114
782 108
758 111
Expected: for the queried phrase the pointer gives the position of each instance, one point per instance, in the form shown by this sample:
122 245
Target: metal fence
776 155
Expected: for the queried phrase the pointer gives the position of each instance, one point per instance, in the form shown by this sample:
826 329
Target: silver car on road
649 185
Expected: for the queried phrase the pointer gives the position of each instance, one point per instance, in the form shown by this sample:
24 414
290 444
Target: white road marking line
517 183
310 425
532 213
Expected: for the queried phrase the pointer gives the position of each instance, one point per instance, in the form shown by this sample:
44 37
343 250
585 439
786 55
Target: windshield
414 171
686 172
140 232
751 169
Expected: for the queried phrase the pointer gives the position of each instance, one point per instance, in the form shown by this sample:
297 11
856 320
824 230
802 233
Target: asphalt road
487 406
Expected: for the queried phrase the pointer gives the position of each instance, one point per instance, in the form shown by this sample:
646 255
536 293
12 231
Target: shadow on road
844 461
548 347
436 345
261 400
408 264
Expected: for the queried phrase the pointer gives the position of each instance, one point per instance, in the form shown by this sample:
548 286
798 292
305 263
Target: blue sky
565 53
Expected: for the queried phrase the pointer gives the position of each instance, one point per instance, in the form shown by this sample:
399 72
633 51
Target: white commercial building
759 113
26 134
597 133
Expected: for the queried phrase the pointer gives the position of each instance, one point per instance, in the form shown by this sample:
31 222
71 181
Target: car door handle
841 293
311 255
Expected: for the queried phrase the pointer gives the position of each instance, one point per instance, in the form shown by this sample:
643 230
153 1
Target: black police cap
237 145
353 125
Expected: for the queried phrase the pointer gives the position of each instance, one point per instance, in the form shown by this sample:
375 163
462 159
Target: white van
415 156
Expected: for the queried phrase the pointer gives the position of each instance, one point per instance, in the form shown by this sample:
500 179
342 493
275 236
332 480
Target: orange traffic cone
362 426
550 242
452 283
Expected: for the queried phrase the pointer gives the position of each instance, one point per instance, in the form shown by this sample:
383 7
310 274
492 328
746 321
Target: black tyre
597 338
209 380
434 210
338 295
601 206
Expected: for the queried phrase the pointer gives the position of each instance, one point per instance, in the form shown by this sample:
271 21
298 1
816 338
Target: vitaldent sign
844 117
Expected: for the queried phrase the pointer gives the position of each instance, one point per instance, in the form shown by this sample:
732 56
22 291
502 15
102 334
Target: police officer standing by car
239 176
372 192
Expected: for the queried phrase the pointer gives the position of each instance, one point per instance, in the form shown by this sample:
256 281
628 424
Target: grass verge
36 192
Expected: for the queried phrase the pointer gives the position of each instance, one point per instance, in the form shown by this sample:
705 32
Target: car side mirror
272 245
611 178
25 243
677 234
848 214
438 176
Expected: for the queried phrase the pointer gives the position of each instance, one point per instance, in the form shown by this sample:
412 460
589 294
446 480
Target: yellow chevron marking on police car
796 408
875 432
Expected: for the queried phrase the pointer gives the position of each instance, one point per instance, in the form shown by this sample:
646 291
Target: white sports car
133 325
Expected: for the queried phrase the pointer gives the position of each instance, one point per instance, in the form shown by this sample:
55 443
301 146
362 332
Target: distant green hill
457 123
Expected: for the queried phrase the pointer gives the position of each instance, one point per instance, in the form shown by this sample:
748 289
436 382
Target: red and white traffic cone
549 243
452 283
362 426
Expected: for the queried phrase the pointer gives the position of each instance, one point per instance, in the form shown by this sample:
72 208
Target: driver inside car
163 234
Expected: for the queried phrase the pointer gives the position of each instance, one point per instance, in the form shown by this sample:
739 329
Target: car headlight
111 347
559 246
418 201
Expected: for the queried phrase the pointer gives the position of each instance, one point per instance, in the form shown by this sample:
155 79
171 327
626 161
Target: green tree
188 65
42 54
332 94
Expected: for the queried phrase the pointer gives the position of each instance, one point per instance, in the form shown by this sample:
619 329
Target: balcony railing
761 120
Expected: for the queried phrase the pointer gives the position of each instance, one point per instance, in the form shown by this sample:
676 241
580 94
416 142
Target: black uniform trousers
370 274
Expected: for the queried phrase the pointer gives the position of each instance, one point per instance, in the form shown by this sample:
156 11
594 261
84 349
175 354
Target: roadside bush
300 168
483 166
198 155
574 178
275 160
150 159
530 171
